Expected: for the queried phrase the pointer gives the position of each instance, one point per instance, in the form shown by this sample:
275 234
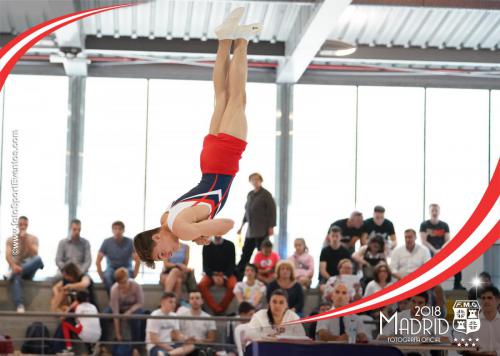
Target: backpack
37 330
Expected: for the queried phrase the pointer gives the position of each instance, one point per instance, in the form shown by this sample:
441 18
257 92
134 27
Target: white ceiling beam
308 37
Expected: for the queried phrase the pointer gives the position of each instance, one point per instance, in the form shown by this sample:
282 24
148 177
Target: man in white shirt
337 329
408 258
202 331
161 332
489 332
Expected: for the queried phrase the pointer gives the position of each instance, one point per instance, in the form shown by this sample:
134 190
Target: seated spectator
23 261
176 272
64 291
408 258
218 271
352 230
266 260
346 276
323 308
484 280
379 225
269 322
201 331
336 329
382 277
370 255
245 310
126 297
403 305
285 280
331 255
74 249
119 251
250 290
161 332
488 334
303 263
88 329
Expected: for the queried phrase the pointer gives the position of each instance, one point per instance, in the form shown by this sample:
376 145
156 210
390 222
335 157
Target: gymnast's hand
202 240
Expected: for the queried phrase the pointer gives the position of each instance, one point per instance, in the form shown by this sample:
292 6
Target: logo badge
466 318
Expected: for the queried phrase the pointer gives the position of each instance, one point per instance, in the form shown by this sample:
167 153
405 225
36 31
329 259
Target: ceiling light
335 48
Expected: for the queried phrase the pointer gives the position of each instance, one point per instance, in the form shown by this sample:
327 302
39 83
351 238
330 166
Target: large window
113 158
390 154
37 107
324 136
179 117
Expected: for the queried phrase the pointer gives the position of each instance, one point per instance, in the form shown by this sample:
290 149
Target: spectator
303 263
336 329
346 276
88 329
331 255
201 331
245 310
370 255
435 234
382 277
489 316
64 291
119 251
251 290
352 230
74 249
379 225
218 271
408 258
23 261
285 280
322 308
176 272
266 260
484 280
161 332
260 214
268 322
126 297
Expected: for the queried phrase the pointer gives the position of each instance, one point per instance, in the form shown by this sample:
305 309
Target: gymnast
191 217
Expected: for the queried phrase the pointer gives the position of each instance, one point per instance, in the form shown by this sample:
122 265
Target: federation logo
466 318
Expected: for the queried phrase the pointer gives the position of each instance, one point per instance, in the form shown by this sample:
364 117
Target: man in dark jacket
218 266
260 214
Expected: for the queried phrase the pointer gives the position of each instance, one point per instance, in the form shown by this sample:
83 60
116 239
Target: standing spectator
176 272
303 263
218 267
74 249
379 225
352 230
126 297
260 214
64 291
336 329
201 331
331 255
269 322
370 255
88 329
488 334
408 258
346 276
250 290
285 280
119 251
266 260
435 234
23 261
382 277
161 332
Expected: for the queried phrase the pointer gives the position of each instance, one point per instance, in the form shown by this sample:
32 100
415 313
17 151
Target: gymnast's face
166 243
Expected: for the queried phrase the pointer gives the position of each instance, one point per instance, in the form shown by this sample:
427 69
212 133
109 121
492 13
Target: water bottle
351 329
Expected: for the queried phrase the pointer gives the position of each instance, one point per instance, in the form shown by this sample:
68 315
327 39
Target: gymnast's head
155 245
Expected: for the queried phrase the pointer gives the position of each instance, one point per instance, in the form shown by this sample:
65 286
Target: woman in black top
369 256
285 279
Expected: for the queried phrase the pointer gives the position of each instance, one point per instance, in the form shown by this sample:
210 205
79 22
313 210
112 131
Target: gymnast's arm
191 231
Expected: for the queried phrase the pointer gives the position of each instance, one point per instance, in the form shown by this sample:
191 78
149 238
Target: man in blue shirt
119 251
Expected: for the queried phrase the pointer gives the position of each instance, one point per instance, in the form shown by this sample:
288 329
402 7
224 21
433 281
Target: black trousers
250 244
